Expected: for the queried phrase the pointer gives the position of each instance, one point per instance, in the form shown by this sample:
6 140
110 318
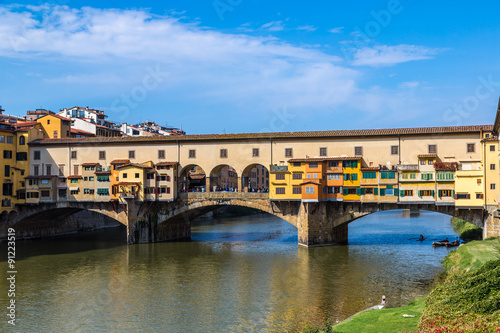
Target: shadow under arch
192 178
255 176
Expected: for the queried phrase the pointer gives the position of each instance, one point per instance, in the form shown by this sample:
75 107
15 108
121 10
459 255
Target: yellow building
280 182
55 126
469 185
351 168
489 147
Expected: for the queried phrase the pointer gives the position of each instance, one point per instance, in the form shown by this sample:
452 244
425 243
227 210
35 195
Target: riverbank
466 298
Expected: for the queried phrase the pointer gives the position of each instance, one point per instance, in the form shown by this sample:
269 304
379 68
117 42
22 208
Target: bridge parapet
224 195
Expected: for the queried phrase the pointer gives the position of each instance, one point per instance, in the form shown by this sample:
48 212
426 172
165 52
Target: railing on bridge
408 167
223 195
275 168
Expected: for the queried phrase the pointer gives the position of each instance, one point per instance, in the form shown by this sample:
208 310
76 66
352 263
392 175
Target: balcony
128 195
103 169
408 167
279 168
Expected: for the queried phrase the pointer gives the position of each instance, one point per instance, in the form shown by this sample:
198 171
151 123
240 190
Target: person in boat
421 238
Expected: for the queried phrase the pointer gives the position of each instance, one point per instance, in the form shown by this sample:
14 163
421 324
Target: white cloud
337 30
384 55
274 26
409 84
307 28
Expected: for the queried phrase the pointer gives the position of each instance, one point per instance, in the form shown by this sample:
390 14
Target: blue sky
253 66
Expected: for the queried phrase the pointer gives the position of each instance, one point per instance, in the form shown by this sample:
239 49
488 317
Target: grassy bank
466 298
466 230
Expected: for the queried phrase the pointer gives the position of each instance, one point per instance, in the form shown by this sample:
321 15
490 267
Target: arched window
22 140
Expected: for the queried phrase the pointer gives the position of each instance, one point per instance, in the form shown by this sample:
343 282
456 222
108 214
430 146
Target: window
369 190
492 166
394 150
7 171
10 139
405 176
22 140
331 176
192 153
413 176
131 154
479 195
255 152
161 154
445 193
358 151
369 175
36 170
427 176
36 155
354 177
297 190
313 165
297 176
75 169
150 175
492 148
297 164
48 168
408 193
471 147
322 151
315 175
432 149
347 176
103 191
280 176
124 175
288 152
45 193
136 175
462 196
48 123
223 153
22 156
492 186
280 190
426 193
73 155
445 176
333 164
74 181
309 189
103 178
350 164
62 192
388 175
102 155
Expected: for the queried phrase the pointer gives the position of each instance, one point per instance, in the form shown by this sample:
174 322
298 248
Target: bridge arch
192 178
255 176
224 177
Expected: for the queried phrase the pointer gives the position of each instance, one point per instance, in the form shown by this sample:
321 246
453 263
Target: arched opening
192 179
224 178
255 178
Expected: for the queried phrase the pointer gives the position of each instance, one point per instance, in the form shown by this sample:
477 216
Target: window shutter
345 176
396 192
382 192
168 190
354 176
168 178
363 191
155 191
375 191
358 191
402 193
455 196
345 191
468 196
419 193
432 193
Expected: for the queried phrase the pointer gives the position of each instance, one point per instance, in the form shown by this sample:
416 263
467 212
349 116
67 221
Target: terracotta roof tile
75 176
427 155
89 164
275 135
324 159
166 163
120 162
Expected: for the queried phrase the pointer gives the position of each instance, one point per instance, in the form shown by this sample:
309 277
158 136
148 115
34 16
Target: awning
74 188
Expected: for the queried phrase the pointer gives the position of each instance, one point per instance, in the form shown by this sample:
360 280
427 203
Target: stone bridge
319 223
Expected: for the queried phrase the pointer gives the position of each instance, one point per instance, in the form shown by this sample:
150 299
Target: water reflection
236 275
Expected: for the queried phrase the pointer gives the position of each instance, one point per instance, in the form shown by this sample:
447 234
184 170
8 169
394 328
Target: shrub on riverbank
466 230
468 298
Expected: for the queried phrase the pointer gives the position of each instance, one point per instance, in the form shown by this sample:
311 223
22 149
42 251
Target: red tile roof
55 115
310 182
276 135
77 131
120 162
166 163
75 176
427 155
89 164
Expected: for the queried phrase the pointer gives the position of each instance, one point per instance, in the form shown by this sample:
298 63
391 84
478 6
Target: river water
244 274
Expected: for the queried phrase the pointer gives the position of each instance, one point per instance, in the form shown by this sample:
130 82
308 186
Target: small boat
441 243
453 244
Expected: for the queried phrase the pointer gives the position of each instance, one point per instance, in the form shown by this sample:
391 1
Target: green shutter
358 191
345 191
389 186
433 192
363 191
396 192
375 191
382 192
419 193
392 175
402 193
354 176
354 164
